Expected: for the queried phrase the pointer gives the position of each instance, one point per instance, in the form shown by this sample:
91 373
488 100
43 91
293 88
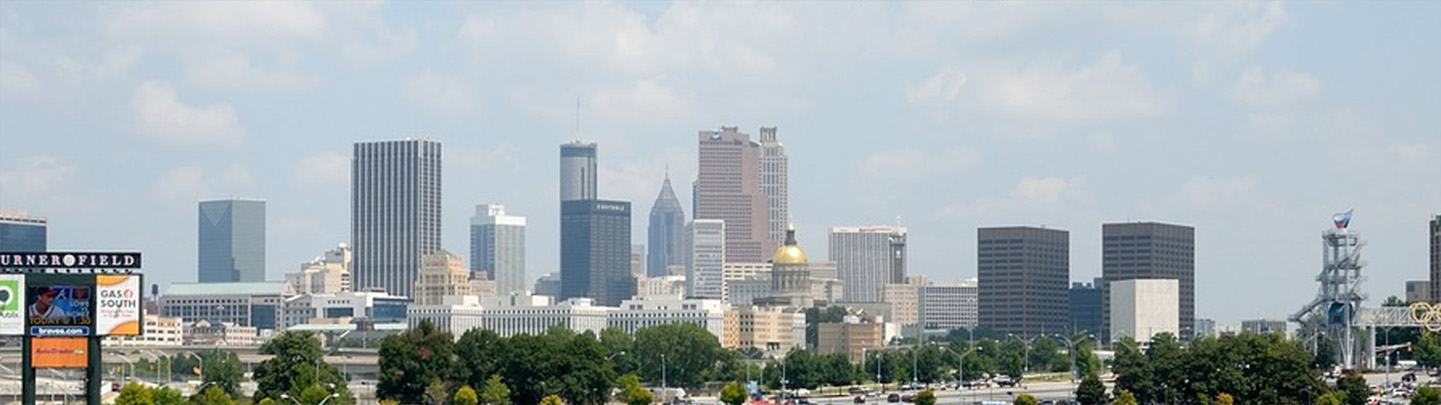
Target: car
906 387
908 398
860 399
893 398
856 391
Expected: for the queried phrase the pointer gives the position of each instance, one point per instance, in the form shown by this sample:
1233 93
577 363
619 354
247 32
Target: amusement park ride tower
1339 295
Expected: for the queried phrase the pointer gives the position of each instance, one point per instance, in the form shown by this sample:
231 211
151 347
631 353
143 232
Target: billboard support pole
27 373
94 375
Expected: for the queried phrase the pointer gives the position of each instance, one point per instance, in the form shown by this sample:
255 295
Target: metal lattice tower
1339 298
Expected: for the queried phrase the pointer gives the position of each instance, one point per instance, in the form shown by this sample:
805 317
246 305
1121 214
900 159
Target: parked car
860 399
893 398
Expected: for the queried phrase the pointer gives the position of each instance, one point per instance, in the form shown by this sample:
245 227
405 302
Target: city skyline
1222 116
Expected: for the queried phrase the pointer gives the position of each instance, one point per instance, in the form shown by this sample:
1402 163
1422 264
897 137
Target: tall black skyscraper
666 233
394 212
232 241
1150 250
1023 275
595 251
1436 258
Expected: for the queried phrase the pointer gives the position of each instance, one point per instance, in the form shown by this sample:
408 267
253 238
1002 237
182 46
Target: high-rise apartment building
666 233
577 171
1151 250
775 183
1436 257
20 232
497 247
867 258
394 212
727 188
232 241
1023 274
705 266
1086 307
595 251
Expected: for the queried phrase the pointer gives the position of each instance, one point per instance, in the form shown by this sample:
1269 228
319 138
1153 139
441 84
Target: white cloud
211 20
238 72
388 44
1254 87
1108 89
440 94
163 115
32 177
180 186
1414 155
16 79
1043 190
945 86
641 102
911 163
324 168
1224 36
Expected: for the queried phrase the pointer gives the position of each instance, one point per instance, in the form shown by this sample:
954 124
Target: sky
1253 122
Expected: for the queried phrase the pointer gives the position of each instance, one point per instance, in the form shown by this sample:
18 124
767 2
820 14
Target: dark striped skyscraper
394 212
666 234
1023 278
232 241
595 251
1150 250
19 232
1436 258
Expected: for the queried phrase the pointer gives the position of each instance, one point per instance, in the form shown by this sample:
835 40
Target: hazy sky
1253 122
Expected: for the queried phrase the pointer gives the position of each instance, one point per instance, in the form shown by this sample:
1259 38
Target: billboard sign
117 305
59 352
12 307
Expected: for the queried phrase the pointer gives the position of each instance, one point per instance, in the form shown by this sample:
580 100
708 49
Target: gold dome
789 253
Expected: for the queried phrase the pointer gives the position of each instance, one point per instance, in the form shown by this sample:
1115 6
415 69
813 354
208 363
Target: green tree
266 401
1426 396
412 361
1428 350
620 348
585 376
212 395
1025 399
165 395
1224 399
733 394
632 393
465 396
437 393
1331 398
222 369
313 395
296 364
1125 398
551 400
687 351
495 391
1353 389
1091 391
476 357
135 394
928 397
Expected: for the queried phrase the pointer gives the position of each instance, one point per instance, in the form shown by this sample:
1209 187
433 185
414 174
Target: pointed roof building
666 230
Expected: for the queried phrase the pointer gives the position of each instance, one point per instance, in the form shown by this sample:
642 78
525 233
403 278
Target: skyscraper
775 183
1436 257
577 171
595 251
394 212
1150 250
728 188
232 241
867 258
705 267
497 247
1023 273
666 233
1086 307
20 232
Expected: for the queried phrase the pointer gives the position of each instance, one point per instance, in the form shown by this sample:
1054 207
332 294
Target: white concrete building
510 315
156 331
342 308
746 291
327 274
705 259
1142 308
742 271
642 312
867 258
663 285
947 305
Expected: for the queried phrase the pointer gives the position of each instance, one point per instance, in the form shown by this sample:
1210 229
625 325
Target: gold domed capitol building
790 274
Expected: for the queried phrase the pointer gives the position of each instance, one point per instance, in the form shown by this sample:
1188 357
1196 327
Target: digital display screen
58 305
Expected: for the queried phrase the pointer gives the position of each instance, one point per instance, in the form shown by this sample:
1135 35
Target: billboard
117 305
59 352
55 309
12 308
